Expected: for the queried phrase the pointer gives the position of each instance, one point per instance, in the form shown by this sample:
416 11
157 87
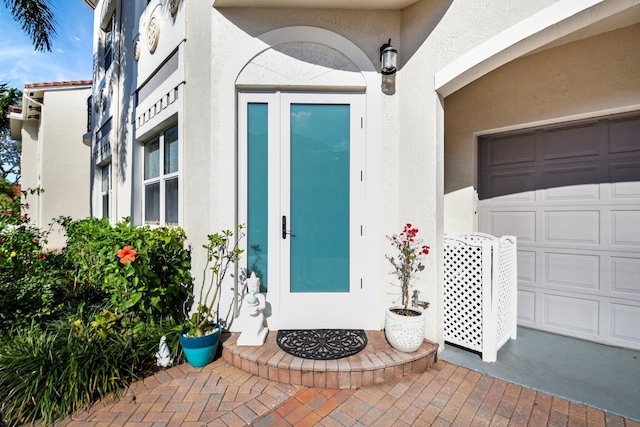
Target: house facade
50 126
275 114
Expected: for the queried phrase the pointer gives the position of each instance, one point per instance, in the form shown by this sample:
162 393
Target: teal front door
317 224
304 186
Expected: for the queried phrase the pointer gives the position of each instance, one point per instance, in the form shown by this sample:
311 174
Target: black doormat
322 344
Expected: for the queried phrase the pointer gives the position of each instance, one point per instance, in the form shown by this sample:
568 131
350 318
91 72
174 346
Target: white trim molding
540 29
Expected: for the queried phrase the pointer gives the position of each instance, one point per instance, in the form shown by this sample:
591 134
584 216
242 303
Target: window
161 177
89 105
108 44
105 189
102 146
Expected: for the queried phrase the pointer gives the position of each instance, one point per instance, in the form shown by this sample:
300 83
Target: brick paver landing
377 363
445 395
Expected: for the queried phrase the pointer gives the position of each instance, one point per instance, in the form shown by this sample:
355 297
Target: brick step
376 364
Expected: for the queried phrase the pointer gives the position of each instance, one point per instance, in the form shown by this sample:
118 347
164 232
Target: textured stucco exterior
419 134
54 158
586 78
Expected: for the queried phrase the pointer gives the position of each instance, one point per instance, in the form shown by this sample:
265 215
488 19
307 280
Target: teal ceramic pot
200 351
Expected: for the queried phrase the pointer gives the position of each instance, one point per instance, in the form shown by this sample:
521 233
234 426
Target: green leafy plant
222 252
48 373
143 272
41 295
20 243
84 322
32 281
406 264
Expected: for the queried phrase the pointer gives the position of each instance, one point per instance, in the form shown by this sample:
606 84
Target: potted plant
404 325
201 333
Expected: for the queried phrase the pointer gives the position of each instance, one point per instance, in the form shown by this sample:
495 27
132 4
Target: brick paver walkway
445 395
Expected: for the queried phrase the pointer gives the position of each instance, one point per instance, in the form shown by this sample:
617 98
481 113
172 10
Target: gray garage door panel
606 150
577 220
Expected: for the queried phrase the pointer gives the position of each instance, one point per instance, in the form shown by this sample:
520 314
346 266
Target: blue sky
71 51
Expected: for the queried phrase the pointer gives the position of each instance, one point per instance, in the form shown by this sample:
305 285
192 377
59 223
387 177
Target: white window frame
108 45
106 168
161 179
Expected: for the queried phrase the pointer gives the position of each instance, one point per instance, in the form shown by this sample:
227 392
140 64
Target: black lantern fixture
388 57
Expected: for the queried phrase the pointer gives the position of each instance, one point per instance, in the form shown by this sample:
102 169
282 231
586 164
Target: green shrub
20 243
48 373
32 282
153 284
40 286
41 295
19 248
82 323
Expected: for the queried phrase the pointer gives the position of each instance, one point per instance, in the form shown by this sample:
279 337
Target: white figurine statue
163 356
251 319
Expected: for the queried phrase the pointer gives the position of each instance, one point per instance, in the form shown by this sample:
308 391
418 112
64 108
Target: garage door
571 194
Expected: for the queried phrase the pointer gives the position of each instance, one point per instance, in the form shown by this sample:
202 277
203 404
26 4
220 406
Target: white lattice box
481 287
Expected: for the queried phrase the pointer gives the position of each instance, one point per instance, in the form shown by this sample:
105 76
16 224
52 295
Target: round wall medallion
173 6
153 34
136 50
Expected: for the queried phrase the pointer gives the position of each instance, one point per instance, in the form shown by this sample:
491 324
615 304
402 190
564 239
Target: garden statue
251 319
163 356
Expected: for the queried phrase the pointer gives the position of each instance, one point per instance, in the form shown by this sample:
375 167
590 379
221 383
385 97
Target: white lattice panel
480 292
507 279
463 294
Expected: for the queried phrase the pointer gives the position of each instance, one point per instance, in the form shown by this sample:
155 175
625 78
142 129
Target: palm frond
37 20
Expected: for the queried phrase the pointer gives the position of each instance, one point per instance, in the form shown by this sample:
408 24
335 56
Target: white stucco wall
434 34
201 175
409 170
117 86
241 35
30 165
55 160
406 131
409 182
65 171
585 78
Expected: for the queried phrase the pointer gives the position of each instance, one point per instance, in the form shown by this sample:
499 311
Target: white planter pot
404 333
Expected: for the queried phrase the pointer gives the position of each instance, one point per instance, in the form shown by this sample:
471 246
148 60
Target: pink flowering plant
406 263
140 272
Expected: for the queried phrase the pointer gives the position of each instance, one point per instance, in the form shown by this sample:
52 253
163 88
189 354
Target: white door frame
316 310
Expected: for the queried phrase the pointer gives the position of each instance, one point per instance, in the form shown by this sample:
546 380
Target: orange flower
127 254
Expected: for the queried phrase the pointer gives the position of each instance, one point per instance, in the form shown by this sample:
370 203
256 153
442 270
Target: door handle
284 228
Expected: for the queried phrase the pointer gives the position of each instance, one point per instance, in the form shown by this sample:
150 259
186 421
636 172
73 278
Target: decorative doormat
322 344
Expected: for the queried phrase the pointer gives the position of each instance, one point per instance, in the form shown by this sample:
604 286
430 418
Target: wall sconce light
388 58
